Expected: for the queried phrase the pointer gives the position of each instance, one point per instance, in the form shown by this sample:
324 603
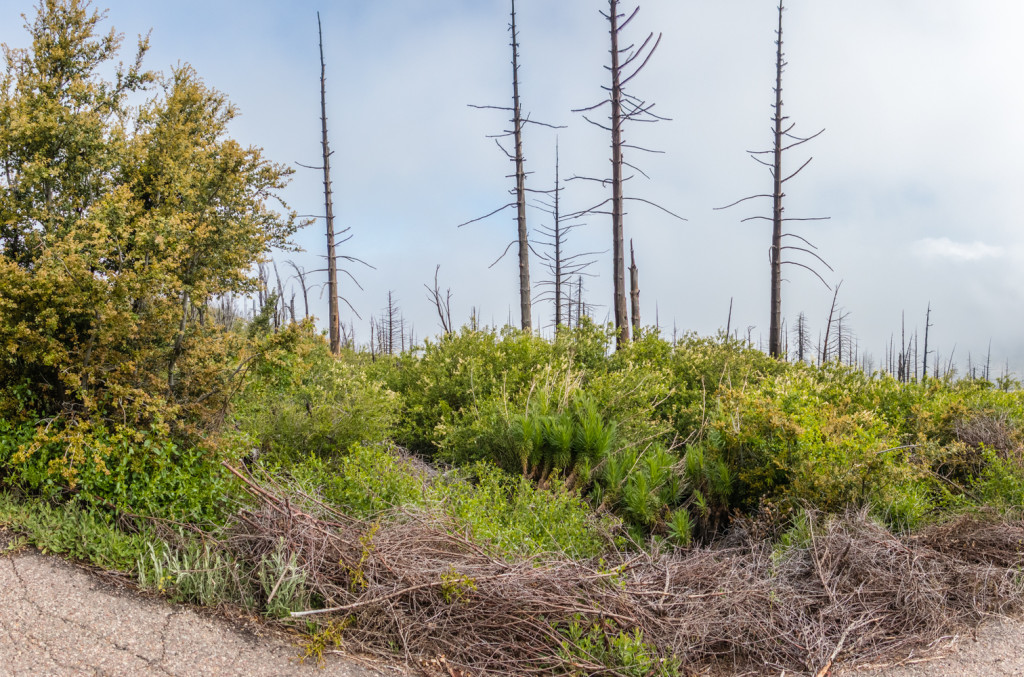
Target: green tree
118 225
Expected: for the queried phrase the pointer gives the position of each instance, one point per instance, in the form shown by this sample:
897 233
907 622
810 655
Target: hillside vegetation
490 499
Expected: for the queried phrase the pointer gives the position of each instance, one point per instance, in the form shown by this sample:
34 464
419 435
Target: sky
919 168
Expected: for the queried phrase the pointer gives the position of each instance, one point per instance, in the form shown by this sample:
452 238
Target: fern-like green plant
595 438
559 435
680 528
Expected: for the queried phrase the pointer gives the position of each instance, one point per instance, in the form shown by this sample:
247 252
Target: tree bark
927 326
618 254
558 249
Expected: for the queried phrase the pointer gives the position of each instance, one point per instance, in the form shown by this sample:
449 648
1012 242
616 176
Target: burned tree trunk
300 273
775 256
803 341
517 126
557 227
618 264
334 321
519 121
442 302
634 291
927 326
828 325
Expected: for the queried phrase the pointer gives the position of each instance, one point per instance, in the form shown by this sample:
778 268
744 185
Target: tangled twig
857 593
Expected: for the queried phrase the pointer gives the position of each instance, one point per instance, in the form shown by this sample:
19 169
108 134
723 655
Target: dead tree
783 140
828 325
560 265
518 121
576 308
842 338
300 275
442 301
927 327
634 291
626 63
333 322
803 338
387 331
281 317
334 238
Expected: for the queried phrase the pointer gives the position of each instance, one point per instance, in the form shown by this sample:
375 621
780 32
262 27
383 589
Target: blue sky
919 168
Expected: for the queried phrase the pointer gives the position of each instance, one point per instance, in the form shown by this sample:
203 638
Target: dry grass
855 593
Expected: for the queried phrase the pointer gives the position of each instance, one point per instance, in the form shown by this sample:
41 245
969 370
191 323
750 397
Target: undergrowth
526 449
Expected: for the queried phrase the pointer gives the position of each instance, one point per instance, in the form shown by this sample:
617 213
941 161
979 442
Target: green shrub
301 398
520 519
599 648
1000 483
680 528
452 377
505 510
134 471
74 530
365 481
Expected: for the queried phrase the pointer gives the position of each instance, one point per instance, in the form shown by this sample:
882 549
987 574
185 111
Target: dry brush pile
852 592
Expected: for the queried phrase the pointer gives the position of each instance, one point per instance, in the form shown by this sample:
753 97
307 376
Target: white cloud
944 248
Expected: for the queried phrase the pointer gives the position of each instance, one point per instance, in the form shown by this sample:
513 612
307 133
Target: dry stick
256 489
828 326
273 592
437 584
839 646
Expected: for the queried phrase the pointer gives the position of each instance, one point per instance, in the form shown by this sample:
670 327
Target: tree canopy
125 208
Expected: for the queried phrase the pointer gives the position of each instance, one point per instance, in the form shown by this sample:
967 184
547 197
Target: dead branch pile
856 592
995 431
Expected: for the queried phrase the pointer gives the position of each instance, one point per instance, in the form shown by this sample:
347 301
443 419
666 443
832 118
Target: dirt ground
996 649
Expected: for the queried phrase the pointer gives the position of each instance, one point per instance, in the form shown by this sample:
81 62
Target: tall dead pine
618 264
334 321
561 266
626 63
783 140
517 127
518 122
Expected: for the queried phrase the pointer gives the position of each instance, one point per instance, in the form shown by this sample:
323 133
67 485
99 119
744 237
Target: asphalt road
61 620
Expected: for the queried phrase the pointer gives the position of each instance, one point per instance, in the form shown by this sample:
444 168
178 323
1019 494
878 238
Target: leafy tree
118 225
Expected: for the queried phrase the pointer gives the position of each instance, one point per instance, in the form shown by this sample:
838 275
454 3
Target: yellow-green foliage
456 587
330 634
118 225
509 512
463 376
831 437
